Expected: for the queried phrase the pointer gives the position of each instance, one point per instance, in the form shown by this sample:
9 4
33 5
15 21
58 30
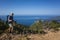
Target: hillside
18 28
39 30
49 36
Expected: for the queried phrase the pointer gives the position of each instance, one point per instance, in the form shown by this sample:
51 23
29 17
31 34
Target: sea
28 20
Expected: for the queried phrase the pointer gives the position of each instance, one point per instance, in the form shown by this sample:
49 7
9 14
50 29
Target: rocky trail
48 36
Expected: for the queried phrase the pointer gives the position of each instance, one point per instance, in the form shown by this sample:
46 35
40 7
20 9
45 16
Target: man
10 22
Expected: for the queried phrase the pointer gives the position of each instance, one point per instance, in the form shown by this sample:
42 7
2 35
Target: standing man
10 22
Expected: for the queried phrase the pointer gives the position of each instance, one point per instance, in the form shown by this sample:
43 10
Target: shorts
10 25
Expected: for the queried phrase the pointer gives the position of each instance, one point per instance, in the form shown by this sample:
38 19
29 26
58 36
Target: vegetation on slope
37 27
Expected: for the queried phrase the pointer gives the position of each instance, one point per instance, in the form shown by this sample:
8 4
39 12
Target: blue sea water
28 20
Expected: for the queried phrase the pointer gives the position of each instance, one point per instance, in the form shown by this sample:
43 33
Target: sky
30 7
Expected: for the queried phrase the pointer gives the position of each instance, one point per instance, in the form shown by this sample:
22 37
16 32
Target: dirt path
48 36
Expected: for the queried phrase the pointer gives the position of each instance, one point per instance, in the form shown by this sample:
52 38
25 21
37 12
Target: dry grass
49 36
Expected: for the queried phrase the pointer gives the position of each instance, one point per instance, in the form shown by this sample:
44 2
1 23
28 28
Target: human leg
10 28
